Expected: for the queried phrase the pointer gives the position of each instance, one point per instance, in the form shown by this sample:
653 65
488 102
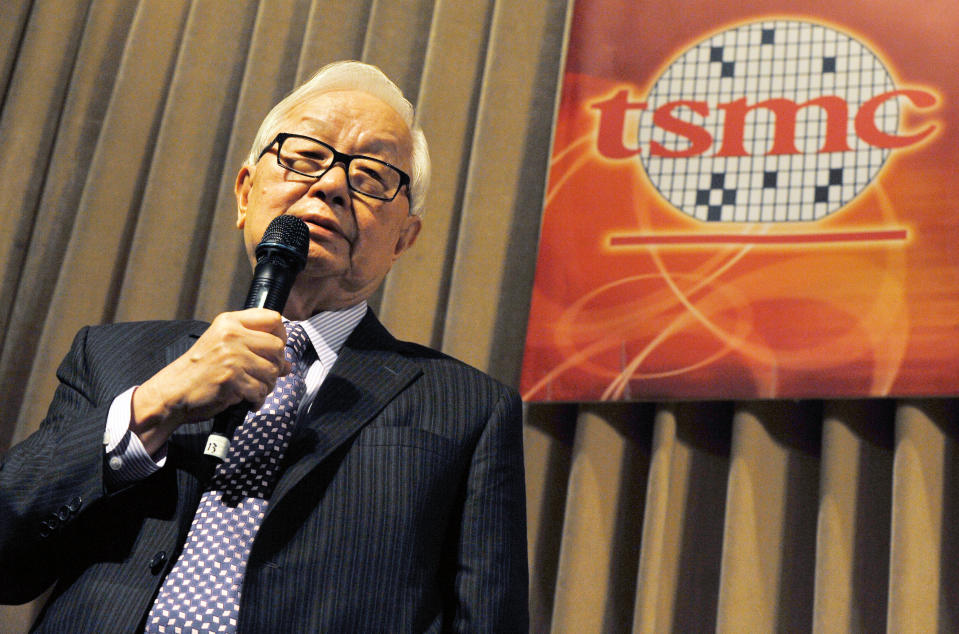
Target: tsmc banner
759 203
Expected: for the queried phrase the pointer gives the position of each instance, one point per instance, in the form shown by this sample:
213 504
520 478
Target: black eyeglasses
364 174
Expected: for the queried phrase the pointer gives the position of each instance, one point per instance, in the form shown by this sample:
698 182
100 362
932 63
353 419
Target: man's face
354 239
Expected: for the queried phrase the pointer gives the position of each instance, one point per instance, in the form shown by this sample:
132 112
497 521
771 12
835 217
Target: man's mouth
320 226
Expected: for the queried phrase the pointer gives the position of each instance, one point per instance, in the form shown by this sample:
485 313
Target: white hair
353 75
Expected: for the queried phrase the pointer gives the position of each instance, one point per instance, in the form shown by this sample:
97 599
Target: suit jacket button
74 504
45 529
156 564
63 513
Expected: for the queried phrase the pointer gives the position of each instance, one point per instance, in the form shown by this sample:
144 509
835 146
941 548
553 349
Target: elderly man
391 499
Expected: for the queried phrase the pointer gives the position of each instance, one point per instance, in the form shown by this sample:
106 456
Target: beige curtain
122 125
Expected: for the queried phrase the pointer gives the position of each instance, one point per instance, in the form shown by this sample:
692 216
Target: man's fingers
255 330
263 320
238 358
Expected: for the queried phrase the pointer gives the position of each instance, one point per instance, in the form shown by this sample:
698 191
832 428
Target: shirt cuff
126 459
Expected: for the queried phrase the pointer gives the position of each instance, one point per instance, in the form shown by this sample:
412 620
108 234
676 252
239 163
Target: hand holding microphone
237 360
280 255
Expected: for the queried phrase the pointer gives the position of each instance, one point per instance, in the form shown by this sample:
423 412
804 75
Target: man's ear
409 231
244 182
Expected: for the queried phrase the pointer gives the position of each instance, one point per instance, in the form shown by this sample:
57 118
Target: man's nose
333 186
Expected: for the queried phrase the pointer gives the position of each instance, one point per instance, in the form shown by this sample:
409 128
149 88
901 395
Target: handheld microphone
280 255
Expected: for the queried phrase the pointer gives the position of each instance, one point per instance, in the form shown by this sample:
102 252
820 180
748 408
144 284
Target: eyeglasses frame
338 157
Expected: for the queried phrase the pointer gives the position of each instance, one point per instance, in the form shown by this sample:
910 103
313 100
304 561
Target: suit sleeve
47 480
491 582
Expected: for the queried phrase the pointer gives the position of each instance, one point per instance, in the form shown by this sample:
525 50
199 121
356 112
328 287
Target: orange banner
751 204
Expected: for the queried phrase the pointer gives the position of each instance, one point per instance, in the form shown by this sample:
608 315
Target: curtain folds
123 123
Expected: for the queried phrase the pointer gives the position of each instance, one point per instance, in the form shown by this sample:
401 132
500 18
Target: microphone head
286 237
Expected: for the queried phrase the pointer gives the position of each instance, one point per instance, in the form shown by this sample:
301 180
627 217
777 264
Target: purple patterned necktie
202 591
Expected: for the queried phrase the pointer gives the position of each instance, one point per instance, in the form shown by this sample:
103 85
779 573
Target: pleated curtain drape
123 123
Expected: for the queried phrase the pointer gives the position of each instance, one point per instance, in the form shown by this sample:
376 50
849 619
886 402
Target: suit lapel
369 372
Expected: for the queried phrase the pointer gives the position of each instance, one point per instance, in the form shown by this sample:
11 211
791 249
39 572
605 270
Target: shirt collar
329 330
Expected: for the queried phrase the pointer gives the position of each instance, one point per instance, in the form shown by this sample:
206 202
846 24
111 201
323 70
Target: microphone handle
271 284
224 424
270 287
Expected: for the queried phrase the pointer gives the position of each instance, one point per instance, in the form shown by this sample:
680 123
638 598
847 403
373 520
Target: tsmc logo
771 121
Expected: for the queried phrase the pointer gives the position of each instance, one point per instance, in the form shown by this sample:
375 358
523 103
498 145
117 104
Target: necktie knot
297 343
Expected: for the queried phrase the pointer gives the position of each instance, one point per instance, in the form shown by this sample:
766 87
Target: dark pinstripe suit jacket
401 508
